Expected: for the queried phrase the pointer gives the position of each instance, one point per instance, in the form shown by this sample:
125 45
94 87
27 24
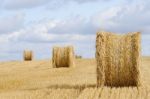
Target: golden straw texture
118 59
63 57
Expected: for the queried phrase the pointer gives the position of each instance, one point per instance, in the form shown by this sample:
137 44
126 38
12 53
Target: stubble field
38 80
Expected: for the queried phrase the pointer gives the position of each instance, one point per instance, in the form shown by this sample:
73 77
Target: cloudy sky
38 25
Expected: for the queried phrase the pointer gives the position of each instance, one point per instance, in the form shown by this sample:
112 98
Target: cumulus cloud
50 31
53 31
11 23
77 25
130 17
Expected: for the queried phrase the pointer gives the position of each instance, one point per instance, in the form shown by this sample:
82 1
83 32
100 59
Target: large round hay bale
63 56
28 56
118 59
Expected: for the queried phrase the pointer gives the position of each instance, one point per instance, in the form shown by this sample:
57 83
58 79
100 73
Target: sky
38 25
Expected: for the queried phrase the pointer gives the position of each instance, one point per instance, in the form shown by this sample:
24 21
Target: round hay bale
28 55
118 59
63 57
78 57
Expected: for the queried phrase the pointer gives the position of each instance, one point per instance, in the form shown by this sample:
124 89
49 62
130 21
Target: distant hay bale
118 59
78 57
63 57
28 56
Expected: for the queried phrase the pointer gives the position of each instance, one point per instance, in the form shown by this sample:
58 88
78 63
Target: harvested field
39 80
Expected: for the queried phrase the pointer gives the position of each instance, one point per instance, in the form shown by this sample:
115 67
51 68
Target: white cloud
55 31
11 23
74 25
124 18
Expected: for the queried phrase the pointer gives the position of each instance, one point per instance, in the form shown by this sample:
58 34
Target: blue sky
38 25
